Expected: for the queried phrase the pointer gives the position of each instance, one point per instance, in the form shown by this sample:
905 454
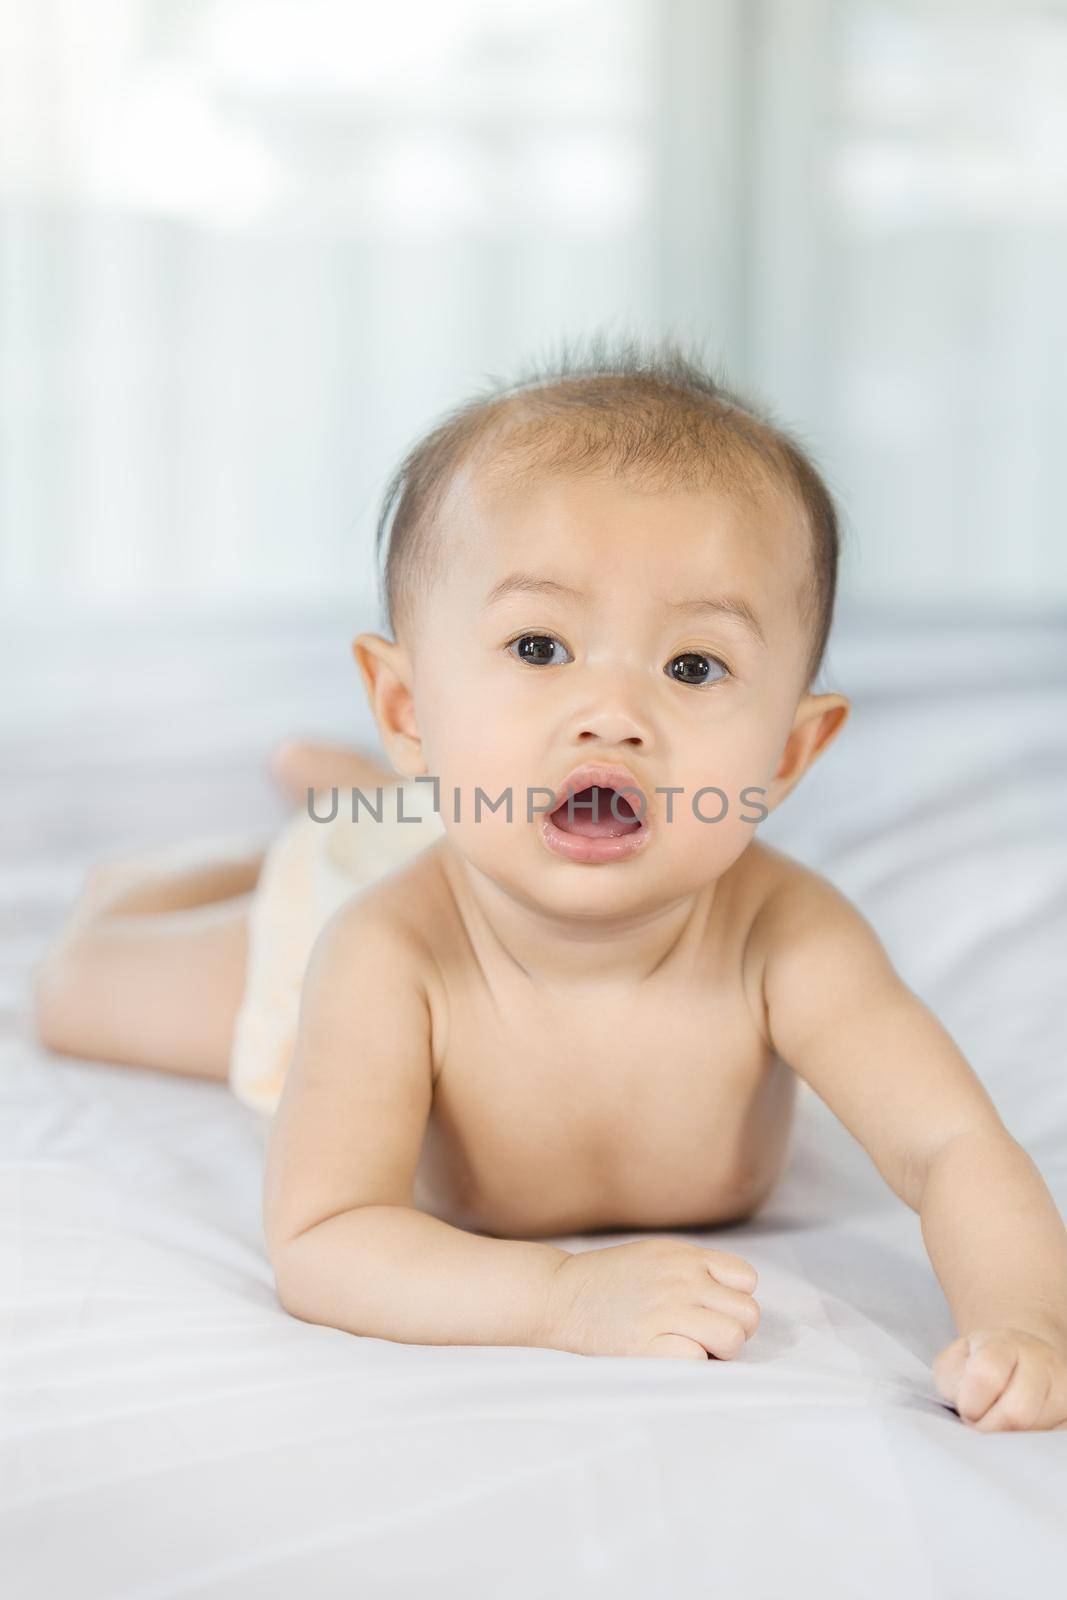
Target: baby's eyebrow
734 607
528 583
727 605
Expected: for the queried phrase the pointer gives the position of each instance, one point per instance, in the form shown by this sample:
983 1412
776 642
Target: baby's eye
693 667
535 649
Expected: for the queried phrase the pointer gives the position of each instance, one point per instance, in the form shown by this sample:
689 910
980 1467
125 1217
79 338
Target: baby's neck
578 952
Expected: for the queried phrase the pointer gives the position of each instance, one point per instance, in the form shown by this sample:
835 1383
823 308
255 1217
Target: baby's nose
611 705
613 725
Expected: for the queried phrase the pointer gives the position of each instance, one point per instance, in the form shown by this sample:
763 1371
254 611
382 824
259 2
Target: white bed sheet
169 1430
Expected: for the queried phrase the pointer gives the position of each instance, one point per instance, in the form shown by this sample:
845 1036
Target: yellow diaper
309 869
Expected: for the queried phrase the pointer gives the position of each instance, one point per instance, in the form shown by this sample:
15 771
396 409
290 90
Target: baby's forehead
495 509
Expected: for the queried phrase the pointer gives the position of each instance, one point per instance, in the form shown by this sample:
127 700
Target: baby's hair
650 412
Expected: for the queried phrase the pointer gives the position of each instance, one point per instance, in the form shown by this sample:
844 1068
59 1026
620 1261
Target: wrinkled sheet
169 1430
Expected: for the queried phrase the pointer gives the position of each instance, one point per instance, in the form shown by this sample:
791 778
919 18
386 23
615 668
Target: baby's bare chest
608 1112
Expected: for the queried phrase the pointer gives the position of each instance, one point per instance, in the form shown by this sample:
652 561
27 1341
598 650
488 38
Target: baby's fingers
719 1333
991 1362
735 1304
732 1270
676 1347
1023 1400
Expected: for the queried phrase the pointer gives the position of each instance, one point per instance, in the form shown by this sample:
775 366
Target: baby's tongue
577 816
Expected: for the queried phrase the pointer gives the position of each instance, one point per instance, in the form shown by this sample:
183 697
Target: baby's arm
350 1250
840 1015
347 1246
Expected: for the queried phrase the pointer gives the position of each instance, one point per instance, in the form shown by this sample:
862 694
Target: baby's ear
827 715
386 672
819 719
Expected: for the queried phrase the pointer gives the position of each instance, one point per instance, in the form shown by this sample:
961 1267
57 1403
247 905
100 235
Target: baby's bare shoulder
788 899
404 921
402 910
788 905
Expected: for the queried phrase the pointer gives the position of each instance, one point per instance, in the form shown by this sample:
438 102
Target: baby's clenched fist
654 1297
1001 1379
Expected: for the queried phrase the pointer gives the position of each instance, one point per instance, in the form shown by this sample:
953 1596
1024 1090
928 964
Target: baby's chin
522 866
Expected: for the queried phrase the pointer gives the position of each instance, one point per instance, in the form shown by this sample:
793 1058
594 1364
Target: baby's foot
298 765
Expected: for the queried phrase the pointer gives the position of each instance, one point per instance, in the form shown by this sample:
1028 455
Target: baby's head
615 561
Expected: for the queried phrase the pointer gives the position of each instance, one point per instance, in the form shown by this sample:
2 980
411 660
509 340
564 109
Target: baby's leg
302 764
150 967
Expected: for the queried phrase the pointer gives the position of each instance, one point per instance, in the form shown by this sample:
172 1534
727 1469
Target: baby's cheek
457 750
718 793
708 832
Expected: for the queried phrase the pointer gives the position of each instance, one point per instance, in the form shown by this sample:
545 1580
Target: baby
564 987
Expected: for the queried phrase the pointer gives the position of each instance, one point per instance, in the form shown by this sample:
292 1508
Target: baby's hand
1001 1379
655 1297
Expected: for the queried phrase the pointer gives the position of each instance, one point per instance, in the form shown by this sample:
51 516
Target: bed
168 1430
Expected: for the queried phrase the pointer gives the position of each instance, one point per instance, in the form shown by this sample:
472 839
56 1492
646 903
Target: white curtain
251 248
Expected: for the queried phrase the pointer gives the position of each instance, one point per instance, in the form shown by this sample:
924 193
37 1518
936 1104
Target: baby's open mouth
597 813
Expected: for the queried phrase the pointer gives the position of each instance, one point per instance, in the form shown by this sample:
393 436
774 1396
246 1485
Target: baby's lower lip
577 847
